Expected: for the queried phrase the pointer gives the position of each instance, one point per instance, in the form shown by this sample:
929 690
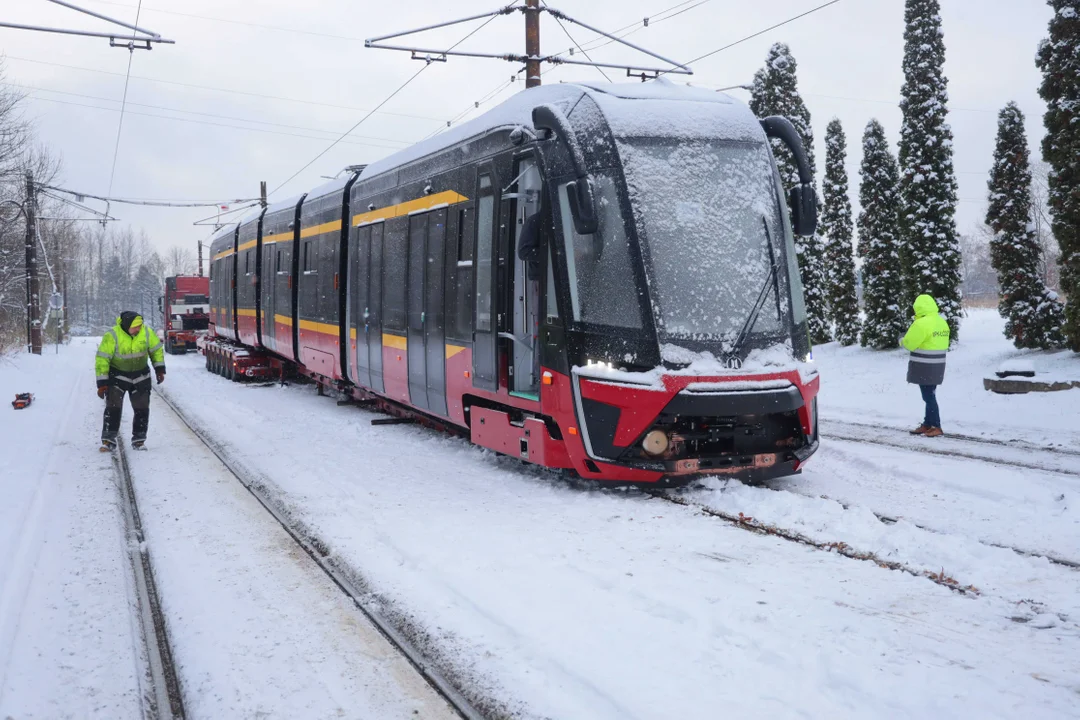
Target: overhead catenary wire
216 124
761 32
123 104
578 45
588 46
151 202
229 91
36 88
388 98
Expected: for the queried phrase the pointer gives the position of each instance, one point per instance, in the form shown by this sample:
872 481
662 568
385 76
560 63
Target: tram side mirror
161 304
582 200
803 199
550 122
803 203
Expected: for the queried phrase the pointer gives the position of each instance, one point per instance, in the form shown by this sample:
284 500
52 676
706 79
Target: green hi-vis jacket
927 340
121 358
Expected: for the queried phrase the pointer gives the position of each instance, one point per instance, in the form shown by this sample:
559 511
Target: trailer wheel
230 370
206 355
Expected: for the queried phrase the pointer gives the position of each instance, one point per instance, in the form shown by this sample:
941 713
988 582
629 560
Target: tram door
528 266
365 293
485 320
426 347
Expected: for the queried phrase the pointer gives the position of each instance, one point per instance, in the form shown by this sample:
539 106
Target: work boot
138 444
934 432
107 446
921 430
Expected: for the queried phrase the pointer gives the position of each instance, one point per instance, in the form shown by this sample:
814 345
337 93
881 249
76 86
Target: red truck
186 309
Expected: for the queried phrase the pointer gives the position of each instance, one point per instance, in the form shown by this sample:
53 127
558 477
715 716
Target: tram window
465 236
602 283
485 232
395 262
247 263
277 265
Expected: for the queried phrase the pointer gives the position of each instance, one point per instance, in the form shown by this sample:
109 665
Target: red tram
599 278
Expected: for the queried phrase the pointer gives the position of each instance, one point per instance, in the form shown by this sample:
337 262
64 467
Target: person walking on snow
121 369
927 340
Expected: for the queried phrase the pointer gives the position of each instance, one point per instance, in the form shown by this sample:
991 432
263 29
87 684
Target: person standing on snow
927 340
121 369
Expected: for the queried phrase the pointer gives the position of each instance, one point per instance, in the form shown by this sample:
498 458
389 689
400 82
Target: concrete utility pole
200 258
532 43
33 311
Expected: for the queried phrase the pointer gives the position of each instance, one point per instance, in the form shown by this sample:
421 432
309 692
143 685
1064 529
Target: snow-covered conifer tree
836 226
931 248
1059 60
775 92
1033 317
884 299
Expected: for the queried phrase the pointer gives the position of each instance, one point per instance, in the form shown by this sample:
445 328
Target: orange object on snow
22 400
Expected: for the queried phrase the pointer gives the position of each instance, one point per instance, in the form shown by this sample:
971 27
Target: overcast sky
254 90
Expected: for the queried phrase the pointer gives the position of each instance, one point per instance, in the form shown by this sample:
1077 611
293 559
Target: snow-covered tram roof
650 109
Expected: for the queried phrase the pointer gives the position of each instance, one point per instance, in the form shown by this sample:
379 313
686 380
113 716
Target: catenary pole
33 311
532 43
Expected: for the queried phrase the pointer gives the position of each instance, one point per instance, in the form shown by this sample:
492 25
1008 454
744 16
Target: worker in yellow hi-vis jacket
121 367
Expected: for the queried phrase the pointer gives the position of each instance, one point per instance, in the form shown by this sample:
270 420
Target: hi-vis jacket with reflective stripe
928 340
123 357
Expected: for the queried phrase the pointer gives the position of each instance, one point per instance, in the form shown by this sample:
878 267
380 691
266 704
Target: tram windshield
702 207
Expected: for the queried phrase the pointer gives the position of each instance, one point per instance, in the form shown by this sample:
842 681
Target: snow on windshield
701 206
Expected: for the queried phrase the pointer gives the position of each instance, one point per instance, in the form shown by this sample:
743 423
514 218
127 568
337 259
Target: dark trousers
929 396
114 409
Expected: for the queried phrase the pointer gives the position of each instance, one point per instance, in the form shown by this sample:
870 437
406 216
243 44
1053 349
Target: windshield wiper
763 295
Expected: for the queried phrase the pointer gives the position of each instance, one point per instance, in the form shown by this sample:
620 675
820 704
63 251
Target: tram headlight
656 442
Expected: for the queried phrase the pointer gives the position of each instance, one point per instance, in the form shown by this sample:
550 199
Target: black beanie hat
126 318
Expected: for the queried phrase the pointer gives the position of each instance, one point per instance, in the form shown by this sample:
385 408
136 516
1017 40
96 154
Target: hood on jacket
127 319
924 305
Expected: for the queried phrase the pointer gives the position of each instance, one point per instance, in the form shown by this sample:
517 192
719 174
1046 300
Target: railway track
346 579
995 452
162 700
750 524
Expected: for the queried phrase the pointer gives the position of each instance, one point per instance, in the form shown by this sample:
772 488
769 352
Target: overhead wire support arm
376 42
678 68
533 58
143 40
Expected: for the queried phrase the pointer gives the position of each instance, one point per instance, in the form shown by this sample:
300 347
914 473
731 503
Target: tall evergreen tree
883 279
1033 317
931 248
1059 60
836 226
775 92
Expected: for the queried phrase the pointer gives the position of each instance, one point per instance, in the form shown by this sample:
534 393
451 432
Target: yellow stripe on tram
324 328
395 341
280 237
452 350
320 229
283 319
245 312
447 197
248 245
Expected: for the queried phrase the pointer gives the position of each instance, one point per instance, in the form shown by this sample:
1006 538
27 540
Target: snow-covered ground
561 600
69 642
863 386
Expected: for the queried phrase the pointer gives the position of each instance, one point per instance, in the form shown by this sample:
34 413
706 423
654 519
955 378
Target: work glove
160 376
102 391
